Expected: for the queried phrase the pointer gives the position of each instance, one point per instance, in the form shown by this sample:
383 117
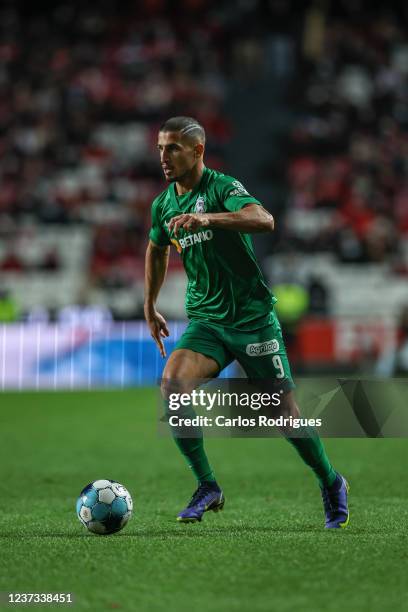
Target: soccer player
208 217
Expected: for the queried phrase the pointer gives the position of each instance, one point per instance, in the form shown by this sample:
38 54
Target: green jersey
225 283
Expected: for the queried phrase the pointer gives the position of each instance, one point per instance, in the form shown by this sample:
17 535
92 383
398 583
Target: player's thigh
262 354
187 364
183 368
199 354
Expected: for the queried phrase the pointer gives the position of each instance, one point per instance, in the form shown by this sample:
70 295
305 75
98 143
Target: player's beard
175 179
179 178
171 179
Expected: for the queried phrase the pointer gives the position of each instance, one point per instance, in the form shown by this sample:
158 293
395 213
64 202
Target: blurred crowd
84 88
349 142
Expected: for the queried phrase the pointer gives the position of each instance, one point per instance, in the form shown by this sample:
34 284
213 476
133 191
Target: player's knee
167 387
174 392
171 387
288 406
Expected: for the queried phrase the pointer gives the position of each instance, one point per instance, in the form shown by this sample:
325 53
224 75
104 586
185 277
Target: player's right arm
157 257
156 261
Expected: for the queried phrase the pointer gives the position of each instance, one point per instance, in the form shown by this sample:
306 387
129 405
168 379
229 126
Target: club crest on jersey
200 205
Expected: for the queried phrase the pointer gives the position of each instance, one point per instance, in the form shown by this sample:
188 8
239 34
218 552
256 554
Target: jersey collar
175 198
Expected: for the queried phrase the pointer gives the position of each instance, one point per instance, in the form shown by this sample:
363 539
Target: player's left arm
250 219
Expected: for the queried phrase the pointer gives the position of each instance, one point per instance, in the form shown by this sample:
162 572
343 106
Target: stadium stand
84 89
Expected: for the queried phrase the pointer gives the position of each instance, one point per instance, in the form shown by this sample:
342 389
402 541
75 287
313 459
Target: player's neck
190 180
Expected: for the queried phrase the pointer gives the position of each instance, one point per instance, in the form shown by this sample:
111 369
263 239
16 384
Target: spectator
349 142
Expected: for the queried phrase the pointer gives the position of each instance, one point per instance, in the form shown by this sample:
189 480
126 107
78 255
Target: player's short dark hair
186 126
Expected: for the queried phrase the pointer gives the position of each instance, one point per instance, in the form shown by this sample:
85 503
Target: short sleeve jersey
225 283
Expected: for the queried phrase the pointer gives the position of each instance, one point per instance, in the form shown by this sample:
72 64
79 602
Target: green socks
309 447
193 449
311 450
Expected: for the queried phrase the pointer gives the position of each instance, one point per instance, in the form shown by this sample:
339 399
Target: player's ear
198 150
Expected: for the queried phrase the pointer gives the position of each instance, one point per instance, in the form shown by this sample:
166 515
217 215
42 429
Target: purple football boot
335 503
206 497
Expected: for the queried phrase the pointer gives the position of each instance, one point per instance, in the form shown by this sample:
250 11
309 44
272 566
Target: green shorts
261 352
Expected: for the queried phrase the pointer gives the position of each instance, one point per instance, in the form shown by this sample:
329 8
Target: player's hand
189 222
158 329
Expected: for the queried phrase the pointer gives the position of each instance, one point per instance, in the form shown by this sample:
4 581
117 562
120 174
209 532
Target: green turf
266 551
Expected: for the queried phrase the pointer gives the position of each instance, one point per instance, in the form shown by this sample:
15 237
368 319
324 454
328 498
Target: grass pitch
266 551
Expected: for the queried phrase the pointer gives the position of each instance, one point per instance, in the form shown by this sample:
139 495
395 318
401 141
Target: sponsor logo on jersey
200 204
238 192
176 244
192 239
262 348
239 189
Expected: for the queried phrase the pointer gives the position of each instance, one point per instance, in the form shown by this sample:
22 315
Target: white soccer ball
104 506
